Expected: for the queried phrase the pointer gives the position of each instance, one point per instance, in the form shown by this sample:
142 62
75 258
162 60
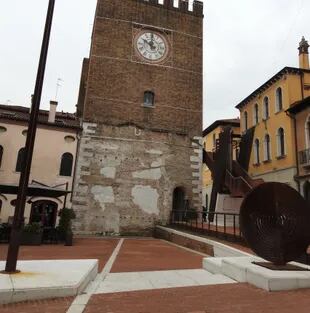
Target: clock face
152 46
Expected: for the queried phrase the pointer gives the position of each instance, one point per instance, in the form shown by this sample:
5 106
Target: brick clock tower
141 105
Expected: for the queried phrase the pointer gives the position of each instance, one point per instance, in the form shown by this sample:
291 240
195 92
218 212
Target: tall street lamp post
18 221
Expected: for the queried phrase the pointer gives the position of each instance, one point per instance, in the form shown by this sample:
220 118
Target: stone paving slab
132 281
227 298
46 279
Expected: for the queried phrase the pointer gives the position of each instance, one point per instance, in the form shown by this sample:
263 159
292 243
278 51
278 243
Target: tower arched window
245 117
66 164
279 99
1 155
149 98
267 148
281 142
20 160
256 152
266 108
255 114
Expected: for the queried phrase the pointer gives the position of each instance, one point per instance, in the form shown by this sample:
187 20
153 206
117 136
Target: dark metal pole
32 128
66 195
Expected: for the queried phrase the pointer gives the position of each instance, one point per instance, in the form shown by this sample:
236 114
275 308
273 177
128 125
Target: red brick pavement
154 255
151 254
83 248
237 298
43 306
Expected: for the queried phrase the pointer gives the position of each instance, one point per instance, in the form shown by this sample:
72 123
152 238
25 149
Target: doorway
44 212
178 199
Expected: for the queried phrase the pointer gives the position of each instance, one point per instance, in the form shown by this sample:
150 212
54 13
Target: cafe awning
35 191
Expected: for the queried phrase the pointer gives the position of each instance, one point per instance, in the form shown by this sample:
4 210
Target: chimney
303 54
52 112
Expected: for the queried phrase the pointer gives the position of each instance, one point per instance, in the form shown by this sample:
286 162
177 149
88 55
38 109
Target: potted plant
32 234
64 227
5 231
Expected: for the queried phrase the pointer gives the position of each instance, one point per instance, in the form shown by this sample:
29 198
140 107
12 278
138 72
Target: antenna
58 85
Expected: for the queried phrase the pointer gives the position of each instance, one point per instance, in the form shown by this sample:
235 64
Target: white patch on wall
153 151
109 146
110 161
108 172
153 174
146 198
103 194
157 163
112 222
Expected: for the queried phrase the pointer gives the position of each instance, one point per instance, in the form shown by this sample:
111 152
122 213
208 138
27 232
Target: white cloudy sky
246 41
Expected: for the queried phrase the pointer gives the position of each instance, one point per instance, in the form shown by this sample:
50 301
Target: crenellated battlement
179 5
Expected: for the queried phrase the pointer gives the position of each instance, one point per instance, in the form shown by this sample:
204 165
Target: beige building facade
53 162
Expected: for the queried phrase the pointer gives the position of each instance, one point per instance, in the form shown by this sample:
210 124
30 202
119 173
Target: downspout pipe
293 117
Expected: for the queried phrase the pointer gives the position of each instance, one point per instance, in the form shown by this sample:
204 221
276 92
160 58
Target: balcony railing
304 157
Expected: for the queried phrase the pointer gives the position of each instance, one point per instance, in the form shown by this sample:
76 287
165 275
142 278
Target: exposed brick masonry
132 157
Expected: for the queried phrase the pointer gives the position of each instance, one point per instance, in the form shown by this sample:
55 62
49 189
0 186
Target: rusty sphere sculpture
275 221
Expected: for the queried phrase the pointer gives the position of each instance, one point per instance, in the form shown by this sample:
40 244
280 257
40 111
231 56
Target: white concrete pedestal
243 270
46 279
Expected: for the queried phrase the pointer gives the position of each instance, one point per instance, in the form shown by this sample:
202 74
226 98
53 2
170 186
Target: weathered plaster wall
126 178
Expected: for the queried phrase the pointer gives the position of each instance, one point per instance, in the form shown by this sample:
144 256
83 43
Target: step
134 281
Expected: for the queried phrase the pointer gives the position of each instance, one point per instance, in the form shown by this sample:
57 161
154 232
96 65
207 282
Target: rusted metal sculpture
228 174
274 218
275 221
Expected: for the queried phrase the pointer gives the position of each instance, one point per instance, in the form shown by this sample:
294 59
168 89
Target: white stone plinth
242 270
46 279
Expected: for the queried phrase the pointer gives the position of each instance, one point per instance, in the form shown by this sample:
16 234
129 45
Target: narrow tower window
1 155
245 121
20 160
308 133
66 164
214 141
255 118
281 142
266 108
256 152
279 100
267 154
149 98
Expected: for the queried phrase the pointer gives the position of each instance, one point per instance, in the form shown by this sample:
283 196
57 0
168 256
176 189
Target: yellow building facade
274 154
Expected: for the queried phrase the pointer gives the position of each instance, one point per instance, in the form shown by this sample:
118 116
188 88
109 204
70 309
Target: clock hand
148 43
152 45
